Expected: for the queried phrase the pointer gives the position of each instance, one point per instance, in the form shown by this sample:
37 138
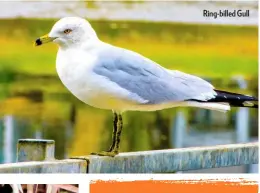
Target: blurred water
79 129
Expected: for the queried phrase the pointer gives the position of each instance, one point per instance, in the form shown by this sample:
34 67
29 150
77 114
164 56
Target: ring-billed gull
109 77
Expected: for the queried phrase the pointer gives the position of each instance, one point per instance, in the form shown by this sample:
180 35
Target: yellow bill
42 40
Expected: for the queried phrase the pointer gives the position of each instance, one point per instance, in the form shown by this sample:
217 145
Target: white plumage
108 77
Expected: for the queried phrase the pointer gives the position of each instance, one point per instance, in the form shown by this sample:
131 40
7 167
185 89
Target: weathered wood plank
172 160
59 166
159 161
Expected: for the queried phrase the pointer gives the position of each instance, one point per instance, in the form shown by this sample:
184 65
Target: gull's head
69 31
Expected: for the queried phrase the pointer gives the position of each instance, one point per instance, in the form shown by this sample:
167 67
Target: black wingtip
235 99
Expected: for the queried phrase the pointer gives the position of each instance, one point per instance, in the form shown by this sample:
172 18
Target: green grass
198 49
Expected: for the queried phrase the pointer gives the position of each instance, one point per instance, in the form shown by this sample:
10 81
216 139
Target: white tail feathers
222 107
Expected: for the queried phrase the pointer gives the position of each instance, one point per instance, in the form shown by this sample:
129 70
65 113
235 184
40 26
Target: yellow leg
114 148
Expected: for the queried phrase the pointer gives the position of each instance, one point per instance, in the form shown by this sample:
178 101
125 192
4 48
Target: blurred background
35 104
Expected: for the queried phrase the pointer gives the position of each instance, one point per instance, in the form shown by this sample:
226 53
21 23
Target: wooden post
35 150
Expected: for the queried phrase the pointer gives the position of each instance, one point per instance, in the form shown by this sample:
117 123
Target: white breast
75 71
76 74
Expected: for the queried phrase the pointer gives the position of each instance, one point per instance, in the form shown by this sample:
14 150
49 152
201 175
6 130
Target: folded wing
149 80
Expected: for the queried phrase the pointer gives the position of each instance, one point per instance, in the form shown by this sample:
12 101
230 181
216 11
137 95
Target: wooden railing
37 156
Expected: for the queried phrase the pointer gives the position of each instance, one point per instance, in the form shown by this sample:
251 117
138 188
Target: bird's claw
106 153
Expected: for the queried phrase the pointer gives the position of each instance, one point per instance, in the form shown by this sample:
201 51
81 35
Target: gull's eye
67 31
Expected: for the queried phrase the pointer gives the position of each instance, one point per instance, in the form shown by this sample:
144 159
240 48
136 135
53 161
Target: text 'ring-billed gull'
109 77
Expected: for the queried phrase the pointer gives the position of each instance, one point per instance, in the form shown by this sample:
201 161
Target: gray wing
149 80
